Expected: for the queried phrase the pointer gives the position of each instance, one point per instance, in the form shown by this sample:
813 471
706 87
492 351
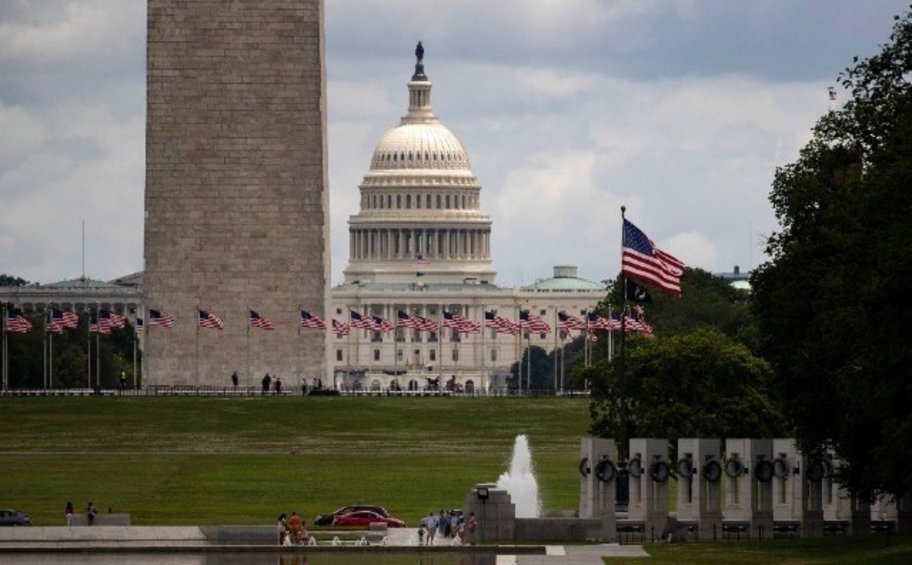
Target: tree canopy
833 303
697 384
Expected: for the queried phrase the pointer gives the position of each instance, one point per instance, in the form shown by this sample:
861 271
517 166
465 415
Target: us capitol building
421 244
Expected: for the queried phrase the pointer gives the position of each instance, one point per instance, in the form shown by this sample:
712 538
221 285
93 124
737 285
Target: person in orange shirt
294 524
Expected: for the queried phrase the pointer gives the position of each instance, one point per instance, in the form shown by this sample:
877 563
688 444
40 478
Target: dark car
327 519
14 518
364 518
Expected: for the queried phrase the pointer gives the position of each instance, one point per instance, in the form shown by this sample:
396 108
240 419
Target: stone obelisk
237 201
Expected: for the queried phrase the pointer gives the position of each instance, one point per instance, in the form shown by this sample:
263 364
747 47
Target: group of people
276 384
90 511
447 525
291 530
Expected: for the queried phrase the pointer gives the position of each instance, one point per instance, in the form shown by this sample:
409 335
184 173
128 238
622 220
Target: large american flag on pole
258 321
160 318
17 323
500 324
97 327
53 321
359 321
310 321
644 262
381 325
567 322
210 320
111 319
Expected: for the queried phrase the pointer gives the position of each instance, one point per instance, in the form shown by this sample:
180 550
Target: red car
365 518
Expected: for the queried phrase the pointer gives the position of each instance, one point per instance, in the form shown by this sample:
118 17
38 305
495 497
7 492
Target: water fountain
520 481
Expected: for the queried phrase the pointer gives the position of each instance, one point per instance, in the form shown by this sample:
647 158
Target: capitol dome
419 146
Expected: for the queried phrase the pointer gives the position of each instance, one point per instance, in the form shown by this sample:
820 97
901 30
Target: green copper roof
565 284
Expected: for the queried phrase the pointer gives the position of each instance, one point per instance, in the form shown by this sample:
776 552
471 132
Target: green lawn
865 549
228 460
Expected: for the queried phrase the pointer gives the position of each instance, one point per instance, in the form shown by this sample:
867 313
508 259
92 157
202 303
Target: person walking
267 380
69 513
91 512
281 528
234 380
278 386
431 523
470 526
294 524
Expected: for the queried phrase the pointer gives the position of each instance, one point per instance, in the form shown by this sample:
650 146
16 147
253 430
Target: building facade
420 244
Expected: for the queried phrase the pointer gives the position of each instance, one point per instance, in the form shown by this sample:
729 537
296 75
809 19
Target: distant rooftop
565 279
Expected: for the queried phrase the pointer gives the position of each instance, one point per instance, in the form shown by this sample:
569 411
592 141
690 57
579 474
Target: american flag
210 320
17 323
359 321
160 318
111 319
460 323
533 323
645 262
381 325
309 321
597 322
567 322
53 321
98 328
258 321
415 322
68 318
339 328
139 326
500 324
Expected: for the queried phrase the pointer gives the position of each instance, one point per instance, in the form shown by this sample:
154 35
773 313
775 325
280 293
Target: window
338 310
432 354
408 200
398 355
447 200
542 312
455 355
417 201
398 201
427 200
338 355
438 201
433 337
493 355
376 355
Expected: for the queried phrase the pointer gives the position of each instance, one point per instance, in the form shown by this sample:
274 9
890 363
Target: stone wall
236 203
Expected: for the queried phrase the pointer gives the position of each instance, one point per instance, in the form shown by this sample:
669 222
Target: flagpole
484 378
610 337
247 339
622 365
89 348
98 346
5 349
556 331
197 369
51 362
134 350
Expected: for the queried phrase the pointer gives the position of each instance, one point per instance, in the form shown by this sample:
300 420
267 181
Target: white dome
419 146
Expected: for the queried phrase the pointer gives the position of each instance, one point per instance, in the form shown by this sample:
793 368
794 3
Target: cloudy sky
681 110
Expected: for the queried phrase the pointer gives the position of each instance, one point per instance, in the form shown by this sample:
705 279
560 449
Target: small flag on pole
500 324
309 321
359 321
460 323
258 321
210 320
341 329
160 318
53 321
17 323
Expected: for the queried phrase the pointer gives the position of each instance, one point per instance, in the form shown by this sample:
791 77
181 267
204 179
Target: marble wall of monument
236 203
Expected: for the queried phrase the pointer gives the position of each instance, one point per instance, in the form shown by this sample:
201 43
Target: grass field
175 461
895 549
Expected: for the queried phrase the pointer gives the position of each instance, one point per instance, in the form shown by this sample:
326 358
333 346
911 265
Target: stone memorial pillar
699 485
841 510
797 489
598 473
748 487
649 473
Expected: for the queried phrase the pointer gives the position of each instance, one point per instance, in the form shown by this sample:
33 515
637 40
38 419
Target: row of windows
439 201
417 156
432 354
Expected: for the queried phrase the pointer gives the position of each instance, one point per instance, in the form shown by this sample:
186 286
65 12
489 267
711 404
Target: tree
698 384
542 371
833 301
10 280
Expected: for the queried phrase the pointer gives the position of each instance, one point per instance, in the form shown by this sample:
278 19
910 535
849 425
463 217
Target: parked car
327 519
14 518
366 518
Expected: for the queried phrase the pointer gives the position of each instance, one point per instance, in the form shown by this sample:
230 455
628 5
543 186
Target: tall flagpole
51 361
622 363
556 331
89 347
247 339
197 370
519 353
484 378
134 349
98 347
44 350
5 349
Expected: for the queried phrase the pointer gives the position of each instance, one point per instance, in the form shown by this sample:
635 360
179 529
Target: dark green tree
833 301
10 280
697 384
542 371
